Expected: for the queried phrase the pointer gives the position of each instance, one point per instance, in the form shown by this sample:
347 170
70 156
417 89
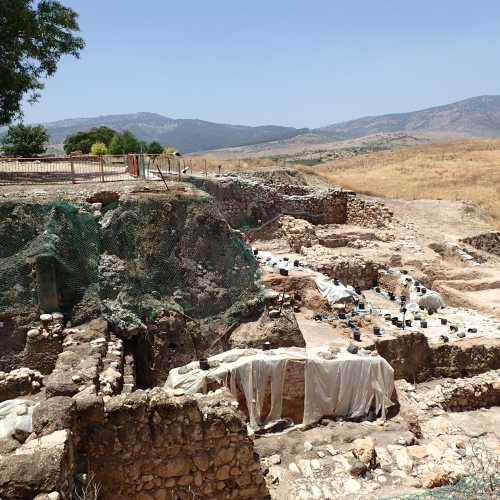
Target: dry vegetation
465 170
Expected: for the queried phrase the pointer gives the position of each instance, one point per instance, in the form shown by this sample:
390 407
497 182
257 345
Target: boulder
364 450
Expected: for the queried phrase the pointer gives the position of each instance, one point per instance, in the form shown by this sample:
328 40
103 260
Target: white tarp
15 415
333 293
348 386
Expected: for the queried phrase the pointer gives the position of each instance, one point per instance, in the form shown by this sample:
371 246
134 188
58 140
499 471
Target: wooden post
179 169
205 166
73 181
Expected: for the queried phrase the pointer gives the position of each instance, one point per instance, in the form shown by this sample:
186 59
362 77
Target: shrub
98 148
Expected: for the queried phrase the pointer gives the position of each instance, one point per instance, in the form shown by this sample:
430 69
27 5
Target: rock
357 468
330 449
419 452
305 467
45 318
315 464
274 313
364 450
352 349
437 477
271 295
352 486
403 460
104 197
414 482
54 414
275 459
308 446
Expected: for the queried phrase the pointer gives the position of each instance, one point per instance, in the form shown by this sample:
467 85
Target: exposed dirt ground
434 432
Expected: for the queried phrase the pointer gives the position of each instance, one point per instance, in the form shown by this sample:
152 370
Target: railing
72 169
107 168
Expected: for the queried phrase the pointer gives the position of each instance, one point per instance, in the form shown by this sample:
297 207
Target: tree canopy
154 148
82 141
116 143
124 142
33 38
24 140
98 148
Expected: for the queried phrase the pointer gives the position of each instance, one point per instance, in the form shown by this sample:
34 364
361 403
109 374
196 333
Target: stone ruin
103 294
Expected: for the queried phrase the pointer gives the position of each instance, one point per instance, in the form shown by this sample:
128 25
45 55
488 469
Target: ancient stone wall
488 242
151 446
367 213
251 202
415 360
467 394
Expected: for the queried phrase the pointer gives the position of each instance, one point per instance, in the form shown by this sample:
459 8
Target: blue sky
299 63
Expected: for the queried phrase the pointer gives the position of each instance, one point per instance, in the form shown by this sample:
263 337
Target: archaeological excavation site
245 334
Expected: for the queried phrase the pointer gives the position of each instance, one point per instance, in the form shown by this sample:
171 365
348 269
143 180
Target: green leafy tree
82 141
25 140
154 148
116 146
98 148
169 150
34 35
124 142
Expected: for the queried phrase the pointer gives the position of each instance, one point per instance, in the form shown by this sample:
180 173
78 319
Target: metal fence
66 169
107 168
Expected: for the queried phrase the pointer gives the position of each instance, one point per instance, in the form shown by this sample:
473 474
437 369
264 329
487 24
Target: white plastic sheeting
333 293
348 386
15 415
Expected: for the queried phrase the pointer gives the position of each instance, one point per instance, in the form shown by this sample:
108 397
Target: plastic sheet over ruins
305 384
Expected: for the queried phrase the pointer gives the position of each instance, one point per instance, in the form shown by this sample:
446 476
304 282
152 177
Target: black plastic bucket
204 364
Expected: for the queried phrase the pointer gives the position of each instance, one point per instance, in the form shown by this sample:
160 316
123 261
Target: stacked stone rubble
367 213
152 446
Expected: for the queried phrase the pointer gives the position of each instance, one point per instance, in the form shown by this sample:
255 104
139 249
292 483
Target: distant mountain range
185 135
474 117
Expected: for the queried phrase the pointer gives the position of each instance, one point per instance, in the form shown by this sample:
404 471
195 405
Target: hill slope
474 117
186 135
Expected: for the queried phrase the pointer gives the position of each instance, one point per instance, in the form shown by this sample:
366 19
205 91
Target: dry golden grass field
465 170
